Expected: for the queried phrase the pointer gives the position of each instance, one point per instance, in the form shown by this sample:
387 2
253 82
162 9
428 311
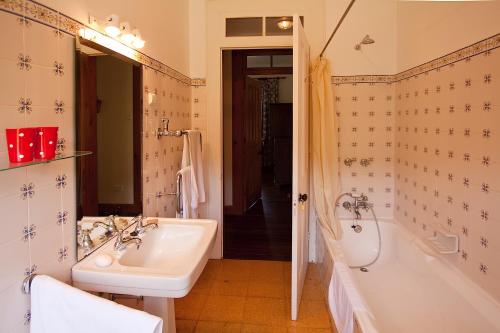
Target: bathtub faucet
360 202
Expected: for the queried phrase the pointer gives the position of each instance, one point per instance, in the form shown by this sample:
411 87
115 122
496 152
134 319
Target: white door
300 187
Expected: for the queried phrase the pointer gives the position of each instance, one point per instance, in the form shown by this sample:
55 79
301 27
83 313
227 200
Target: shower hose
376 223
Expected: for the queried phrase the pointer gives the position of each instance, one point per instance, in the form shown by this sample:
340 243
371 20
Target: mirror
108 123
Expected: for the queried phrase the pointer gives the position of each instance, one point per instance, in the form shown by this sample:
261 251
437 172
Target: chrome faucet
122 242
108 224
140 227
360 202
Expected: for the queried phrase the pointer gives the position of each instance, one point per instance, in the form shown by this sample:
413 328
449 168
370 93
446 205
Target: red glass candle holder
20 144
46 142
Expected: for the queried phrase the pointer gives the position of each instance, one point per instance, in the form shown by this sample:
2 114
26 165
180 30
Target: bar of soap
103 260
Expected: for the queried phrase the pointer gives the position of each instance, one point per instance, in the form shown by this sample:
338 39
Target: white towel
343 298
185 174
192 156
59 308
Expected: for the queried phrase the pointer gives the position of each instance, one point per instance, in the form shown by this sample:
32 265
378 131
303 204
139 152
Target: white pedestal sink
166 266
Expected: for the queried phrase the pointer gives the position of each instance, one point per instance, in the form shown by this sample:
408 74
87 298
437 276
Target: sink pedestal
162 307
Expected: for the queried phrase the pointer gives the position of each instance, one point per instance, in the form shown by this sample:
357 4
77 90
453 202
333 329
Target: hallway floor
249 296
265 231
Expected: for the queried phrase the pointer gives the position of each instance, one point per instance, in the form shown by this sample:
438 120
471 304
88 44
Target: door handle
302 198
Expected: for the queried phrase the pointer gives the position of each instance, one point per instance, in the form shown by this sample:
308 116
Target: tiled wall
37 204
199 123
164 97
448 160
366 123
432 133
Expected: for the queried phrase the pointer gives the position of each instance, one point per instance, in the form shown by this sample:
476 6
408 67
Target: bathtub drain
364 269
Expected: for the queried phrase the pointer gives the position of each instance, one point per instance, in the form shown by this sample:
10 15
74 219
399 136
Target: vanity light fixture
106 41
112 27
285 23
121 32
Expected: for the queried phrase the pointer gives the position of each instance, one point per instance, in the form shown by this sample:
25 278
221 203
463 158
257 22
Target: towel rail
26 287
178 195
179 209
164 131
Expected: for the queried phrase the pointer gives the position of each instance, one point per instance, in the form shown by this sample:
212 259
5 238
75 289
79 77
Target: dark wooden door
86 135
252 142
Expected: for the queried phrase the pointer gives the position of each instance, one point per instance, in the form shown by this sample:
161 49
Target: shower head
365 41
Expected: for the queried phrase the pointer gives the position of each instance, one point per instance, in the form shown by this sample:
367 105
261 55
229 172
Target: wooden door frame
239 73
85 112
86 168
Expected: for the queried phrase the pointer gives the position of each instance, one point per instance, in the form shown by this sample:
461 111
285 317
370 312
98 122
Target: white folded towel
192 156
185 174
59 308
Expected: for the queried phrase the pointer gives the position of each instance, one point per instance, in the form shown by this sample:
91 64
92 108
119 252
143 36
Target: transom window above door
266 61
260 26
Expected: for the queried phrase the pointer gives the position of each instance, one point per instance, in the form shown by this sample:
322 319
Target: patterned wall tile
366 124
31 198
447 160
164 97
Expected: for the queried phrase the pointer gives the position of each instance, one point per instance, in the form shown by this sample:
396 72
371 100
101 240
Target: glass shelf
5 164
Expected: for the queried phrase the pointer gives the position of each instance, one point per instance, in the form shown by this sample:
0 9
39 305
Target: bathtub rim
472 292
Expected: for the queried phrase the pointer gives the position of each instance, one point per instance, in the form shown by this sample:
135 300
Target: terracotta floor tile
312 314
252 328
185 326
251 296
236 270
313 273
287 272
207 277
190 307
313 291
266 311
309 330
266 289
223 308
230 288
267 271
217 327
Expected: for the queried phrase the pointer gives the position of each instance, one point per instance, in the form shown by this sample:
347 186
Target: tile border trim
39 13
475 49
198 82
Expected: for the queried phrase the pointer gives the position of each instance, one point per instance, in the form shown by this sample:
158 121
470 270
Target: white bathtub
410 289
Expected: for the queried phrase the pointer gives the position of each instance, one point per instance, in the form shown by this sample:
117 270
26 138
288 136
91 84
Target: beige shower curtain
324 148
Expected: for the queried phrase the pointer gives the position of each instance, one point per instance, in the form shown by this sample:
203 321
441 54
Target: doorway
257 122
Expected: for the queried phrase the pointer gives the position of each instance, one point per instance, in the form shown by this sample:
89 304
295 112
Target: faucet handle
165 122
139 219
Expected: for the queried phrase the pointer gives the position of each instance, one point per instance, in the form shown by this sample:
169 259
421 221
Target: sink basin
168 263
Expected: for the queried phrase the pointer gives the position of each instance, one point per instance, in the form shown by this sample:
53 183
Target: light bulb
126 34
112 26
137 42
285 23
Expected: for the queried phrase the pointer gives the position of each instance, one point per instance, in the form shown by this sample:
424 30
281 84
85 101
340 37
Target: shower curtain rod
337 27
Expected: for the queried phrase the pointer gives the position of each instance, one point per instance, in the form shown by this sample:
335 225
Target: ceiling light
112 27
285 23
